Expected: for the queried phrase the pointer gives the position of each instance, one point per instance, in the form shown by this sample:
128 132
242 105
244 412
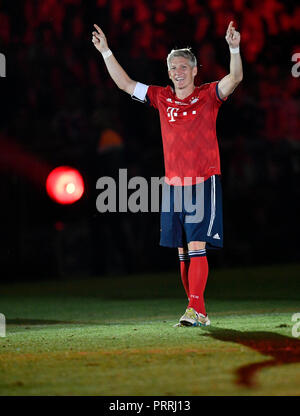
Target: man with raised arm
188 116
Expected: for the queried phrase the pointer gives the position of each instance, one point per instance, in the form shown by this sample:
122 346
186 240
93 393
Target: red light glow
65 185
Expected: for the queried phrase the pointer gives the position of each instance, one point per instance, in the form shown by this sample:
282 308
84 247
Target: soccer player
188 125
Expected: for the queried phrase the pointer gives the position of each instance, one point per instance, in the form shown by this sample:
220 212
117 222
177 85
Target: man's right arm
117 73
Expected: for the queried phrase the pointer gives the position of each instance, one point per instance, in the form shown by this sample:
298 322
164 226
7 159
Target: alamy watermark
2 325
186 198
296 67
296 326
2 65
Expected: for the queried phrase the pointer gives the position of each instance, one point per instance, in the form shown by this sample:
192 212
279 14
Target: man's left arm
228 84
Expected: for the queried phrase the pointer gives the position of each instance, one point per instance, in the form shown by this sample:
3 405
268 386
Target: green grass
115 336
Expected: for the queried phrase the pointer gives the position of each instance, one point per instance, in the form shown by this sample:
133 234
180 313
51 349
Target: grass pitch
114 336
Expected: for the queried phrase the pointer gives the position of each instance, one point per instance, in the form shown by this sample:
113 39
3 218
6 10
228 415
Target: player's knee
196 245
182 250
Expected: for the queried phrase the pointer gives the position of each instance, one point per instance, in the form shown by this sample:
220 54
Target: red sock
198 272
184 269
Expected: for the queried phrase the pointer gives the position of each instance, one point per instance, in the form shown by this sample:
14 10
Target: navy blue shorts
192 214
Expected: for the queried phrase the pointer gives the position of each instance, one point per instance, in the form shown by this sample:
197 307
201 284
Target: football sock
184 260
197 277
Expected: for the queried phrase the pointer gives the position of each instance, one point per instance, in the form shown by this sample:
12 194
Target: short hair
185 53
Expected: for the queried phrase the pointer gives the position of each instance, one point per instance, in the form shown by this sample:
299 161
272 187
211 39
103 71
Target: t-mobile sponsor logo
172 112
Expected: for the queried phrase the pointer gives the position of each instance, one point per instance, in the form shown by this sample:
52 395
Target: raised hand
99 40
232 37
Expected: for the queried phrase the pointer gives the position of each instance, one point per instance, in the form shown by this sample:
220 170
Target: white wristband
235 50
106 54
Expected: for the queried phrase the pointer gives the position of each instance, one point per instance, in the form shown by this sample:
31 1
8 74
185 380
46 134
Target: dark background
59 107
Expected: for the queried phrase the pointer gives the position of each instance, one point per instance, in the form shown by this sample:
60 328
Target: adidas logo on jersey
169 100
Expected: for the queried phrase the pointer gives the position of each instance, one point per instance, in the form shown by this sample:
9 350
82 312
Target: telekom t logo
172 112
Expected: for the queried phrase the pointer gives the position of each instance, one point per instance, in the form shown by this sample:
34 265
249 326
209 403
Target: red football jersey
188 130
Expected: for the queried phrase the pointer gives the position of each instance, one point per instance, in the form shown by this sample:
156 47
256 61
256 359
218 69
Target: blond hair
185 53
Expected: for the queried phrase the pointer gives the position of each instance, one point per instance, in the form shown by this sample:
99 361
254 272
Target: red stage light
65 185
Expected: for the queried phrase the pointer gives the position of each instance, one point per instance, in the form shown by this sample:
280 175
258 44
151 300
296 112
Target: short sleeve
214 88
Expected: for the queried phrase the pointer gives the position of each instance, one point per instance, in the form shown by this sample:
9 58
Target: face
181 73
